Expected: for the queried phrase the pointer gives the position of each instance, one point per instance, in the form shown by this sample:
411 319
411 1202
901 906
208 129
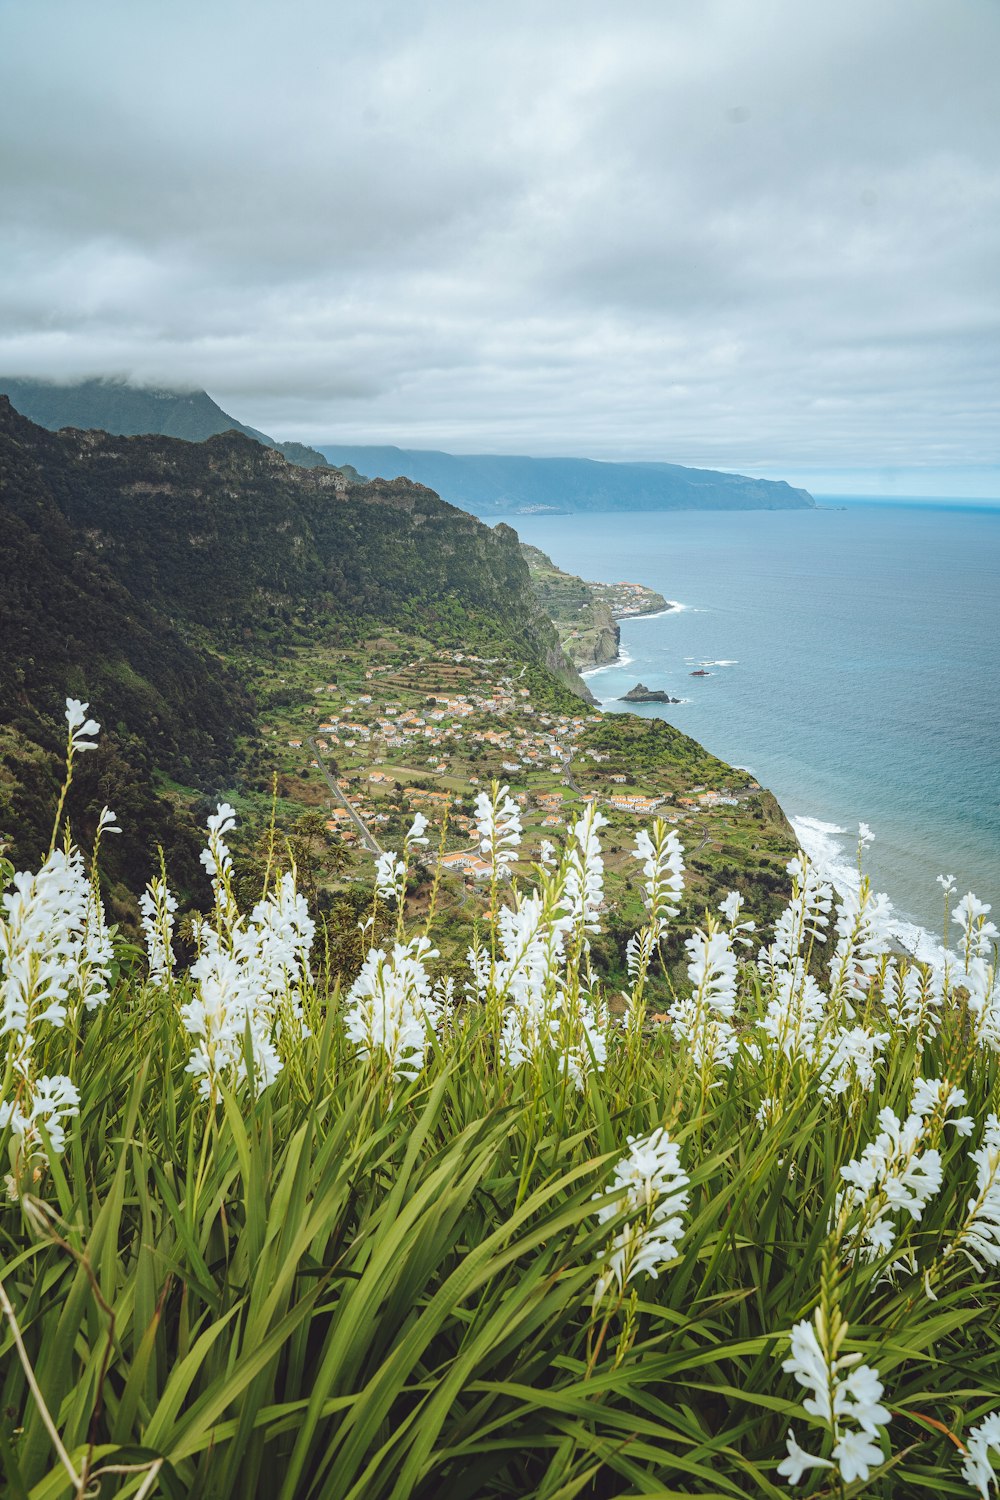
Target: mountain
127 410
137 569
72 625
488 484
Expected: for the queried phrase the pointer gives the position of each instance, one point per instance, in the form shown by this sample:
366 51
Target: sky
757 235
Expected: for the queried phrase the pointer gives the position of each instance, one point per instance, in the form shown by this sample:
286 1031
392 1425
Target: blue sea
852 654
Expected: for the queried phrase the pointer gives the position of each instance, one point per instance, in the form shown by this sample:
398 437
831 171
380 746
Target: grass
352 1285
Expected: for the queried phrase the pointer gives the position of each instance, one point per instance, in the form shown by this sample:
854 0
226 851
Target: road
368 839
568 777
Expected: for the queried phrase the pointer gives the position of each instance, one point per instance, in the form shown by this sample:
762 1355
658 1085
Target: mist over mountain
127 410
488 484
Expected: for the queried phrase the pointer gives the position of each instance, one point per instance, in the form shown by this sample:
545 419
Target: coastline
827 845
673 606
821 842
928 778
618 661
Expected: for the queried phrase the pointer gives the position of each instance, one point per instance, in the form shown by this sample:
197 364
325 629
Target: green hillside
219 607
137 570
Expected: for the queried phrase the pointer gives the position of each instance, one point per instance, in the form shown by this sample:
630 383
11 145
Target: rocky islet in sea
642 694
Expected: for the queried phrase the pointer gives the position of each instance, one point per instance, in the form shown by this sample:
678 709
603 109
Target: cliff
586 613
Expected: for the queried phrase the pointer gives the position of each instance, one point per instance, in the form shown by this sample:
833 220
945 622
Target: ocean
852 656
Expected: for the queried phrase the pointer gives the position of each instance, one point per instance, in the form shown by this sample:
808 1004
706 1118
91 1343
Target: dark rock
642 694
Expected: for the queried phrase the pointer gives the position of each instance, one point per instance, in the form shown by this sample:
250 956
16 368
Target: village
427 732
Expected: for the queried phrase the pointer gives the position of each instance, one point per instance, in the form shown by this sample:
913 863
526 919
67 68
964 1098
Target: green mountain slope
226 536
70 624
134 565
488 484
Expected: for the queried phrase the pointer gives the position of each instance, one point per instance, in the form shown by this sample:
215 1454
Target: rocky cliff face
600 645
586 614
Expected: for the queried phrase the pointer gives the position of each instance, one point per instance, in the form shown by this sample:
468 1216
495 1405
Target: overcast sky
760 235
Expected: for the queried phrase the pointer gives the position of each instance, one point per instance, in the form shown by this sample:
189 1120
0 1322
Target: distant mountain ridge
127 410
492 484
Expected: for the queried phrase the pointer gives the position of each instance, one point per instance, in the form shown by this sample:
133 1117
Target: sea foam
823 843
621 660
674 607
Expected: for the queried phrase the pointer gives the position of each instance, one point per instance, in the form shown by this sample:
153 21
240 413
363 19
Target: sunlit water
853 667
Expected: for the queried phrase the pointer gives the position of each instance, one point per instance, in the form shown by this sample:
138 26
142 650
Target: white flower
704 1018
390 877
879 1238
584 1037
531 936
712 970
856 1454
847 1056
808 1364
935 1096
108 821
157 905
639 951
858 1396
947 883
896 1173
224 1006
651 1186
978 1237
82 731
391 1005
416 832
584 892
795 1012
51 1101
248 977
980 980
216 857
865 836
806 916
661 854
53 945
977 1470
730 909
844 1396
798 1461
978 935
498 819
528 980
913 996
861 940
97 952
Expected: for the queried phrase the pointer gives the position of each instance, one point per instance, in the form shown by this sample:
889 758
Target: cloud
760 237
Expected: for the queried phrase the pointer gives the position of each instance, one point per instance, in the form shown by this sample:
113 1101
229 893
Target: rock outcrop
642 694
